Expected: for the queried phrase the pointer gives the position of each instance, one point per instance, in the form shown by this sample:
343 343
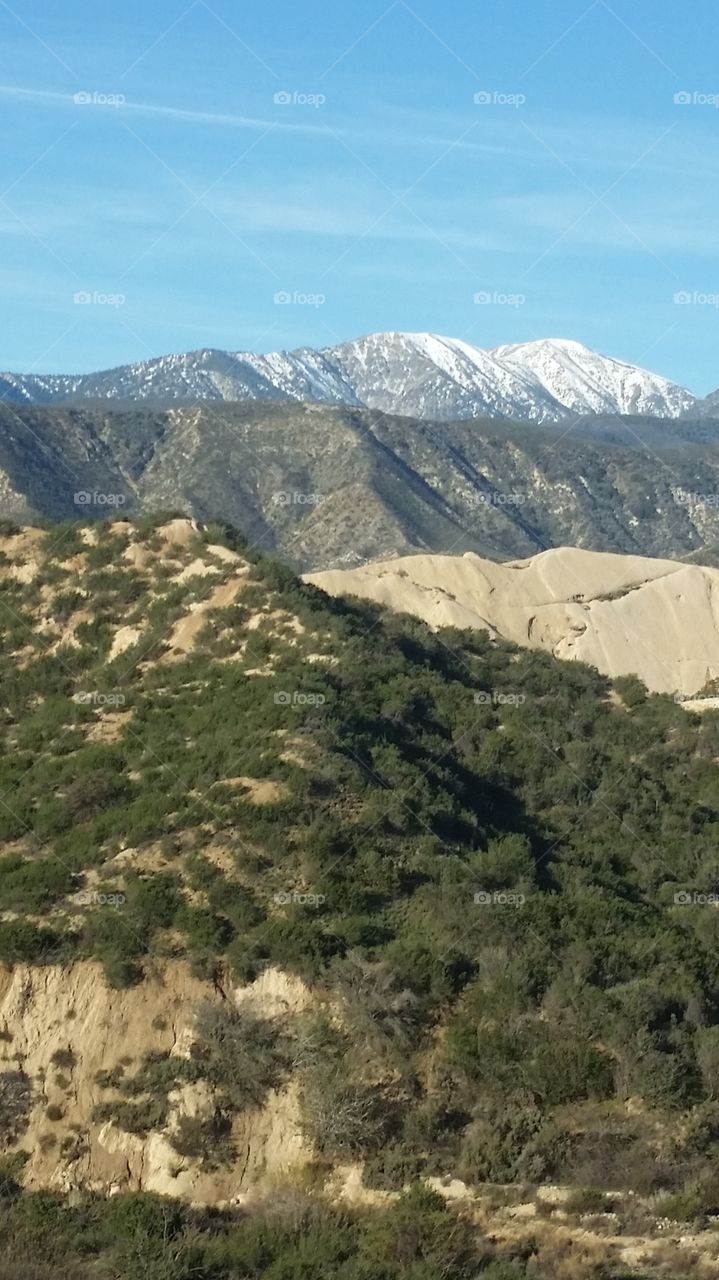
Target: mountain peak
556 344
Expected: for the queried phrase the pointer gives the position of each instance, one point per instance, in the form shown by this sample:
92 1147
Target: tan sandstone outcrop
658 619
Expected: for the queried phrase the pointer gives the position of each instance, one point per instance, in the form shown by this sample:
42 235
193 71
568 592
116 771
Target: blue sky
575 197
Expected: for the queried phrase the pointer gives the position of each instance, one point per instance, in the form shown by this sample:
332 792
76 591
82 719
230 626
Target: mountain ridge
328 486
418 374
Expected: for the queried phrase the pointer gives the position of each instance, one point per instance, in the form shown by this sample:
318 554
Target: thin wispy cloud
184 114
585 143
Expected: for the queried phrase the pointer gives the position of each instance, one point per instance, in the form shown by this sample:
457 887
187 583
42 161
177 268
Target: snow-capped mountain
196 375
418 374
427 376
586 382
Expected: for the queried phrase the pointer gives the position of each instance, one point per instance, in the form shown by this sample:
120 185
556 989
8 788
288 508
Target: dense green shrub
27 885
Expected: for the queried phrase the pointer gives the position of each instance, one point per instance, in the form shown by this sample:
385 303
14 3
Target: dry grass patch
108 727
259 790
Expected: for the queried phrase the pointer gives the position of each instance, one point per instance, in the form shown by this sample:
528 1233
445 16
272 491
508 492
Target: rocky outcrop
64 1029
658 619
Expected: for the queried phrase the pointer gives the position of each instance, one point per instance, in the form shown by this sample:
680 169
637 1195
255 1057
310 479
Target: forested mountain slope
325 487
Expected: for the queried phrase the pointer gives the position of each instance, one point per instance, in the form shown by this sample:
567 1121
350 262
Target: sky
182 174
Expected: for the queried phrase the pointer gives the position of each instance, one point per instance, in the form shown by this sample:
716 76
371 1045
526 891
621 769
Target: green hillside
495 870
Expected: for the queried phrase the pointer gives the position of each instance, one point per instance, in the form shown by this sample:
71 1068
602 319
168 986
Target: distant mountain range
333 486
420 375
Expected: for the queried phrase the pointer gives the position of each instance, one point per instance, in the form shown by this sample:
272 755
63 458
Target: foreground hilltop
622 614
295 889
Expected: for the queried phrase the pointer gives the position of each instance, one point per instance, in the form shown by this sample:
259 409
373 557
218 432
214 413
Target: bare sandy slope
622 614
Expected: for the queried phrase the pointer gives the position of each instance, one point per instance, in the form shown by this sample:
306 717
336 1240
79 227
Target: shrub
16 1100
586 1200
241 1055
21 942
31 886
380 1014
419 1236
631 690
63 1058
696 1201
94 791
142 1216
133 1117
209 1140
344 1119
497 1144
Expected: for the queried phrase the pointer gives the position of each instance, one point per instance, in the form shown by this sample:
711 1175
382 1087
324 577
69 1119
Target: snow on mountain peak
584 381
419 374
